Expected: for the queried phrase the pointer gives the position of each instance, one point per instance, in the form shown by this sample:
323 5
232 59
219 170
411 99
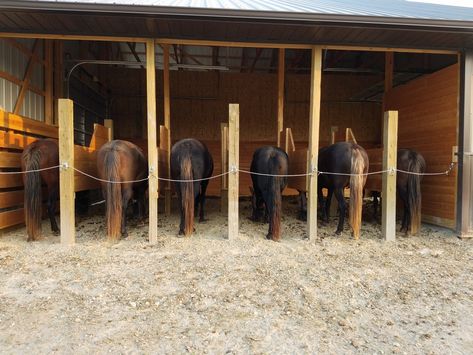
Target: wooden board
11 122
428 123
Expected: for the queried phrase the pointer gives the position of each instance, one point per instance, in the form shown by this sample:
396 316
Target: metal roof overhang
91 19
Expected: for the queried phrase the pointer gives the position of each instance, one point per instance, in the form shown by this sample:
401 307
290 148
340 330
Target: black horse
345 163
190 160
408 189
267 190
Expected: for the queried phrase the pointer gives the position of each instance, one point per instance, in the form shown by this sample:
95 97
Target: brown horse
190 160
345 163
121 161
267 190
41 154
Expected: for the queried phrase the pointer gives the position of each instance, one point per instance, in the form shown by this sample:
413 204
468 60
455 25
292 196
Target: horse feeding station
237 77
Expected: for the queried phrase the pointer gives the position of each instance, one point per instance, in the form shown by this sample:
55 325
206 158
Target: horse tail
113 195
187 194
414 196
357 182
275 203
32 205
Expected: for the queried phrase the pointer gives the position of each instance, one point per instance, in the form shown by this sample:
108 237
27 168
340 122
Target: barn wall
428 122
199 102
13 63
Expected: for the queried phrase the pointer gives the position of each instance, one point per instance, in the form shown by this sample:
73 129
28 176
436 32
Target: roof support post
314 124
281 64
152 141
167 124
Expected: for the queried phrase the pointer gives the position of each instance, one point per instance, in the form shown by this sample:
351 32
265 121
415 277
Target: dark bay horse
267 190
43 153
190 160
343 158
408 188
120 160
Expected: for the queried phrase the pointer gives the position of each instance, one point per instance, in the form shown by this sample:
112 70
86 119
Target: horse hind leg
52 202
342 207
202 200
127 194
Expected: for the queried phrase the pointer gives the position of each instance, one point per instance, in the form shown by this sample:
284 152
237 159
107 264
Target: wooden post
167 124
48 83
314 124
152 141
109 124
388 223
465 223
224 156
66 175
233 164
58 76
281 65
333 134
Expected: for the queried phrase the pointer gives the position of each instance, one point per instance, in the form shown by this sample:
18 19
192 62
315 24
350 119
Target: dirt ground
205 294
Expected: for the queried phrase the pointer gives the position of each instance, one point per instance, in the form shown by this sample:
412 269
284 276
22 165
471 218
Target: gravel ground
207 294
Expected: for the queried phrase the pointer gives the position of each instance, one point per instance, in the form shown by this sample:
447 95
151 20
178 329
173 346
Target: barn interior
107 81
204 80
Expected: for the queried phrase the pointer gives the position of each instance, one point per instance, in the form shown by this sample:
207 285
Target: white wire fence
234 170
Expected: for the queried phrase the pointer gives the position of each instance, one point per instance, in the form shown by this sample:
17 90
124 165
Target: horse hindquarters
414 197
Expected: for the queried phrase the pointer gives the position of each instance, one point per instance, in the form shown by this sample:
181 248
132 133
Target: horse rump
30 160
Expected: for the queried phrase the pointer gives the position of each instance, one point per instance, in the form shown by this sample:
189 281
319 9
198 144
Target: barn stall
260 130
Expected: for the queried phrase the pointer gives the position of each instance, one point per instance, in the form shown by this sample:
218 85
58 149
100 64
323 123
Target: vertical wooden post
465 164
314 124
109 124
48 83
233 164
388 223
224 162
167 124
281 64
152 141
58 76
66 175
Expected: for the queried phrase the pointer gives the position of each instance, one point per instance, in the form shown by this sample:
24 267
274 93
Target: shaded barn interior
204 80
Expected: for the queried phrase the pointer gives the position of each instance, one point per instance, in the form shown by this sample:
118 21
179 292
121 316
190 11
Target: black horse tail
32 205
414 196
275 203
113 195
187 194
357 182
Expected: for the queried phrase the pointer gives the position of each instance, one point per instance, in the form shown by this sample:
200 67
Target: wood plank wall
428 122
16 133
199 103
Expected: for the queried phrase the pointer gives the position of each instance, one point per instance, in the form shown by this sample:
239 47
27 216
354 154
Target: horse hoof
181 233
203 220
337 232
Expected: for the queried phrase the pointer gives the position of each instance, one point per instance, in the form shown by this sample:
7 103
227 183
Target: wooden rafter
15 80
132 47
25 50
26 79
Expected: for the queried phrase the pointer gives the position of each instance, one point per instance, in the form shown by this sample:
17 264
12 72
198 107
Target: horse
121 161
40 154
339 160
190 160
408 189
267 190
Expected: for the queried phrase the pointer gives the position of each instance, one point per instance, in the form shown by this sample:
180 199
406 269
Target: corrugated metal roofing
378 8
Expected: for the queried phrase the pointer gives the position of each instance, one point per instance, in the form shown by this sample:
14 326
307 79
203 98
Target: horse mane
31 159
